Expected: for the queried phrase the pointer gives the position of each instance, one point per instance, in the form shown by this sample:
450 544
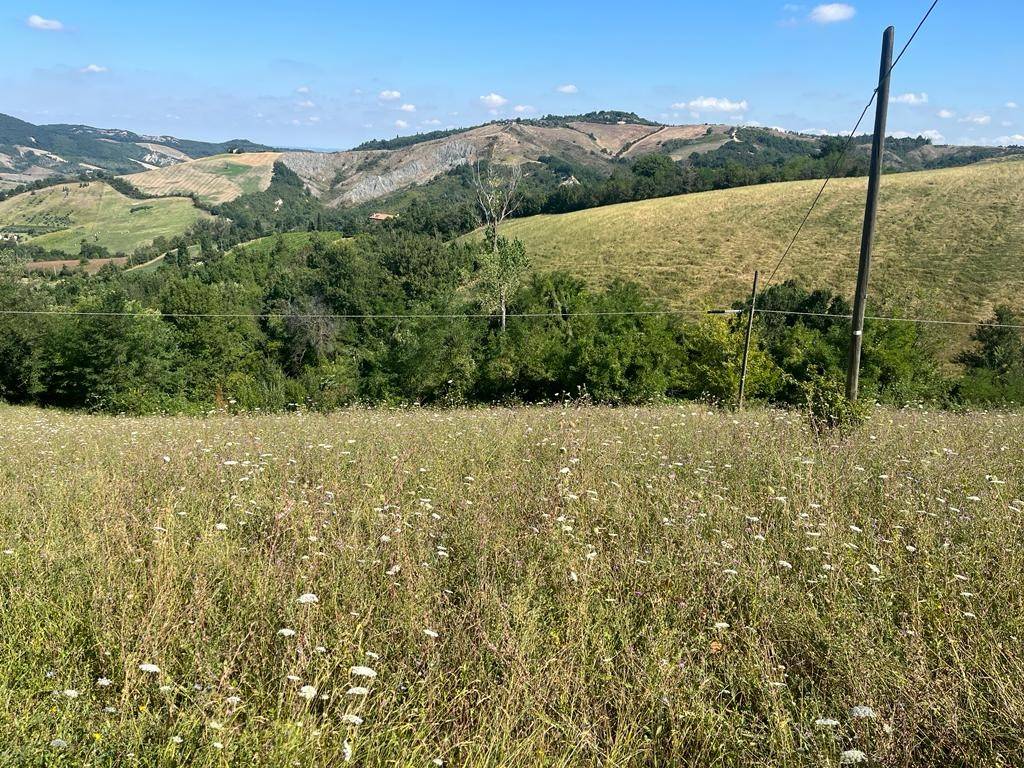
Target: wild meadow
655 586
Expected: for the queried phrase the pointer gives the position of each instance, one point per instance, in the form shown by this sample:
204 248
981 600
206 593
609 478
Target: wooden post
746 342
870 215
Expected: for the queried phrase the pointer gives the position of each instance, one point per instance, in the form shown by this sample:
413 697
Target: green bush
827 408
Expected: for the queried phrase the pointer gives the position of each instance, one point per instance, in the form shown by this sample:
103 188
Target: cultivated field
61 217
217 179
568 587
949 242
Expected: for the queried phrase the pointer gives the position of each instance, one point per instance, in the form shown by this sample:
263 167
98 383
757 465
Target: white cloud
567 88
307 104
1016 139
713 104
389 95
830 13
93 69
935 136
303 89
1011 105
913 99
49 25
493 100
408 107
977 119
401 124
946 114
431 121
523 108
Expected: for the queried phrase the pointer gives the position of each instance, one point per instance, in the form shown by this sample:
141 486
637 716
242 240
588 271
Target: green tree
502 269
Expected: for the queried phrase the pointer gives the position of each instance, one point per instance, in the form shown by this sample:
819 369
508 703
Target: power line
846 147
885 318
331 316
480 315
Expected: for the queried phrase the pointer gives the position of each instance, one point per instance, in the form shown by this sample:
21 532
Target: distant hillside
63 217
949 241
576 151
583 151
217 179
30 152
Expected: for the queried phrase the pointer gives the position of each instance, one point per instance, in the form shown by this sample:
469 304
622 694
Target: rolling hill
31 153
217 179
61 217
950 242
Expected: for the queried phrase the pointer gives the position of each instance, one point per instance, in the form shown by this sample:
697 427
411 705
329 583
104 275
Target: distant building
380 216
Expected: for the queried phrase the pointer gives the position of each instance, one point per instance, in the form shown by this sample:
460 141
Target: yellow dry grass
623 587
950 243
218 179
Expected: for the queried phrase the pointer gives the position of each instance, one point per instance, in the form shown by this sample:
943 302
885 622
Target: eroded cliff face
350 178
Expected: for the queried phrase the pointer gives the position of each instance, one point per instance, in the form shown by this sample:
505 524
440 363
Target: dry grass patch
630 587
218 179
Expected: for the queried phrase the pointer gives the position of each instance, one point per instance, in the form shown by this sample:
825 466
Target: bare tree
312 331
498 196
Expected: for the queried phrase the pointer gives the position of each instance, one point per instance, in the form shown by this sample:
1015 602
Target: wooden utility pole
746 342
870 215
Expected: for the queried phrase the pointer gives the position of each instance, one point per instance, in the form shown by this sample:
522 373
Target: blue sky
312 73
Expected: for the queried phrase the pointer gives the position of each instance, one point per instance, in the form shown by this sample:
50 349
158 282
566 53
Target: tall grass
661 586
948 243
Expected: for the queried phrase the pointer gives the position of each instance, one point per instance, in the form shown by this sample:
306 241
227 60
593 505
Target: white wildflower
308 692
308 599
852 757
363 672
357 690
351 719
430 633
863 713
152 669
286 632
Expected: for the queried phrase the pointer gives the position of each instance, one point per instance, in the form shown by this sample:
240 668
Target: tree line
307 321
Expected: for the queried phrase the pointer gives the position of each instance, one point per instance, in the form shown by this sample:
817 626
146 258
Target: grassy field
566 587
949 242
97 214
294 242
217 179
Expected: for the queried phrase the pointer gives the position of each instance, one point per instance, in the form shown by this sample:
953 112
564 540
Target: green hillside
950 242
61 217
